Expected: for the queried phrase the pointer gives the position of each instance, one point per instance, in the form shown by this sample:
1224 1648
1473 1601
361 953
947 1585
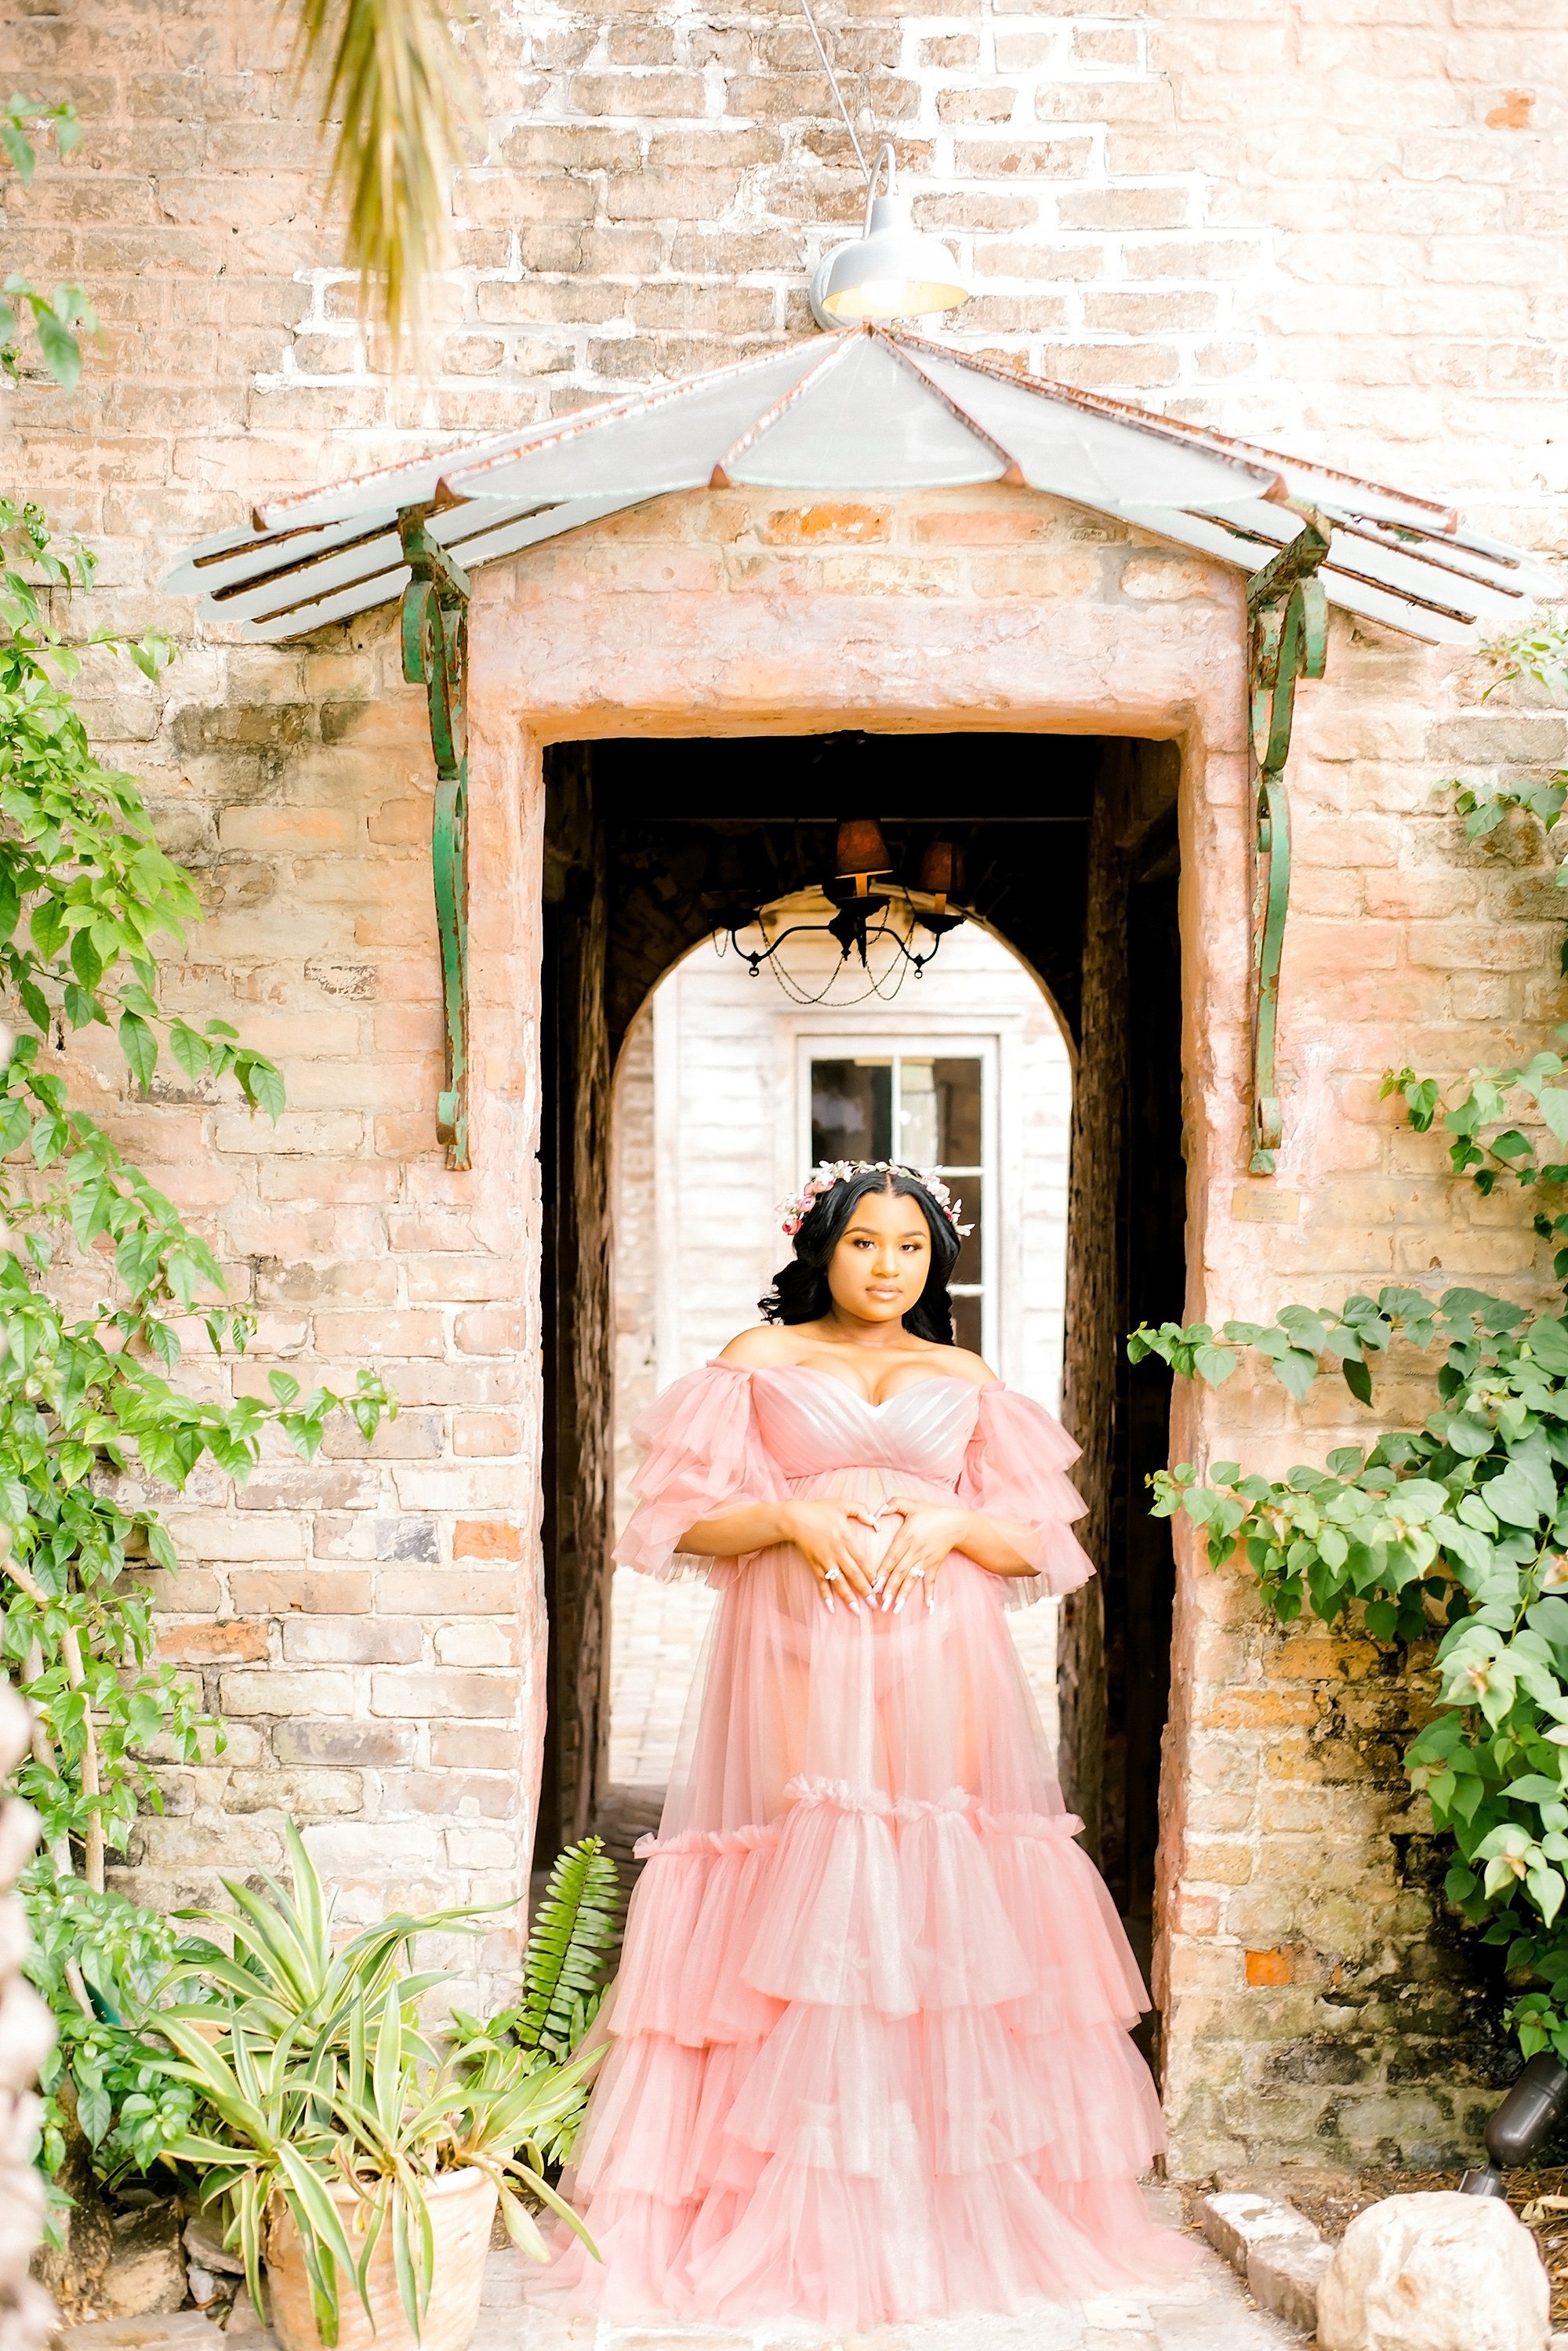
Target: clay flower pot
462 2207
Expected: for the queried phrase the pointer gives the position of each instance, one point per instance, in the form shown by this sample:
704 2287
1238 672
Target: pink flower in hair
829 1172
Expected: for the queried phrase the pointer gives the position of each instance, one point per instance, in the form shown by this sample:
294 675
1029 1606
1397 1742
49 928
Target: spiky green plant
316 2074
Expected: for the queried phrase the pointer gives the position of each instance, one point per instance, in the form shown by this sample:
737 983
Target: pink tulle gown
869 2054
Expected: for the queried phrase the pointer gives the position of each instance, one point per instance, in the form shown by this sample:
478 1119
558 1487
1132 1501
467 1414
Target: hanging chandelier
874 928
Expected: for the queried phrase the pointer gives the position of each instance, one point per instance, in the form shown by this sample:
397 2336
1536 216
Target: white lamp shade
892 272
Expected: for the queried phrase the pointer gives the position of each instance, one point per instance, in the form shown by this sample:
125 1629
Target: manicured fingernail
898 1604
828 1602
856 1606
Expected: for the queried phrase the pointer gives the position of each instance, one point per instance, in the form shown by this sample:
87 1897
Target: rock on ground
1435 2272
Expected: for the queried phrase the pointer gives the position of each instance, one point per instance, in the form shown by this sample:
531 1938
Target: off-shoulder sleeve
1015 1468
702 1452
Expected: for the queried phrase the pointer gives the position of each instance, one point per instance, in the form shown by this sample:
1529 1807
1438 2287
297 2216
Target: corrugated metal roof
863 411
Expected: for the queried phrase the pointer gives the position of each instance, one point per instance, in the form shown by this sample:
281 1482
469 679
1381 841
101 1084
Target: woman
870 2057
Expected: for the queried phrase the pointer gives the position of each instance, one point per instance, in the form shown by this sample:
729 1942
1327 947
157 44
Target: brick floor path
1209 2312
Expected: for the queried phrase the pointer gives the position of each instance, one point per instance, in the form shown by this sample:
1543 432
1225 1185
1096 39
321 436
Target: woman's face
879 1267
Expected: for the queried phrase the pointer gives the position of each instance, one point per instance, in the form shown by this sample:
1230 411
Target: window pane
969 1191
918 1126
966 1323
956 1085
852 1109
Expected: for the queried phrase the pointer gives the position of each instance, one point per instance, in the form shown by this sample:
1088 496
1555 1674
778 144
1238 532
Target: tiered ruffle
869 2064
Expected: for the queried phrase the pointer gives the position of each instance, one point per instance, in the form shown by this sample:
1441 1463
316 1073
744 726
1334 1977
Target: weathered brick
445 1694
452 1592
278 1592
262 1691
369 1745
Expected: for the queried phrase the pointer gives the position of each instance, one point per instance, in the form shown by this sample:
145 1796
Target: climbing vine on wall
98 1275
1456 1532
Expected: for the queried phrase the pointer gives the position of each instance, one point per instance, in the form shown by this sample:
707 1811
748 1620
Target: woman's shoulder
961 1363
761 1348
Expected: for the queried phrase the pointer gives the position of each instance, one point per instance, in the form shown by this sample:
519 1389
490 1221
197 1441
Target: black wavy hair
800 1293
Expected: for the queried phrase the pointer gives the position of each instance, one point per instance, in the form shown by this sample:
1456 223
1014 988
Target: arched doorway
1069 844
727 1087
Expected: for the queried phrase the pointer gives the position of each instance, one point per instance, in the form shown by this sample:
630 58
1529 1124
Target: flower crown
829 1172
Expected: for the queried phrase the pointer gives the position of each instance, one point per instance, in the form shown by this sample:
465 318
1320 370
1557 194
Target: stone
1284 2274
182 2330
1438 2271
146 2273
1275 2248
1235 2223
204 2244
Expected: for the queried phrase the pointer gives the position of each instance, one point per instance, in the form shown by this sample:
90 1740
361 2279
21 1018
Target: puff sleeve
1015 1468
702 1452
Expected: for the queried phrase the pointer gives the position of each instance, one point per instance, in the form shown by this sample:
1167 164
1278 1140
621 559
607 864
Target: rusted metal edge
587 420
1224 444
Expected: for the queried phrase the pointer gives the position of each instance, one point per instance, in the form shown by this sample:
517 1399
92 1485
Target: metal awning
866 411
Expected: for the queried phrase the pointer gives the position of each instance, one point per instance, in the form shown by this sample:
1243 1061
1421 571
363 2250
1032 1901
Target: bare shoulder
762 1347
965 1365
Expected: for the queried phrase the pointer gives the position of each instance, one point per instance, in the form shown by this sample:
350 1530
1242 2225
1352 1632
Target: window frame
889 1043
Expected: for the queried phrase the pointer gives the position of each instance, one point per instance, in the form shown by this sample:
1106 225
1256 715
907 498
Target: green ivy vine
97 1273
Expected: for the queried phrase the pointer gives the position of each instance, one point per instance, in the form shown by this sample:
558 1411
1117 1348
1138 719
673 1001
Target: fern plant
577 1926
574 1932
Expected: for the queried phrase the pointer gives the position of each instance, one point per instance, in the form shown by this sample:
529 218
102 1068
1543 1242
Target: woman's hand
826 1534
929 1532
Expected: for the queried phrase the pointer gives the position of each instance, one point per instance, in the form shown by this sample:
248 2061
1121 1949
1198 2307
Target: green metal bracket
1287 639
435 655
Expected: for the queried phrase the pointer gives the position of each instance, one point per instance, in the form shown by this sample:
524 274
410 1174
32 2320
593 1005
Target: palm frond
397 97
563 1967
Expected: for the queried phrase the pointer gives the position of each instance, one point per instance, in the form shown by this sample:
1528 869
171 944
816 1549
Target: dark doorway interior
1070 850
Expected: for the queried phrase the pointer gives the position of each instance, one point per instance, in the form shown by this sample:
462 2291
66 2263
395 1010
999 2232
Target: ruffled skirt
869 2052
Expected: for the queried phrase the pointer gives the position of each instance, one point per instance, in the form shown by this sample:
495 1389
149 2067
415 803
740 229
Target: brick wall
1337 226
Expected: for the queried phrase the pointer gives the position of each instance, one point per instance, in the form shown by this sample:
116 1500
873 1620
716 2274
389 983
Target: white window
931 1103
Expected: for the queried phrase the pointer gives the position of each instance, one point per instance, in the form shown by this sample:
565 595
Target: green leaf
261 1083
139 1047
1525 1491
1357 1379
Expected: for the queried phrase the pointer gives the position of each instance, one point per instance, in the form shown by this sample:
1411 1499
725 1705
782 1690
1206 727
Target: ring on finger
832 1575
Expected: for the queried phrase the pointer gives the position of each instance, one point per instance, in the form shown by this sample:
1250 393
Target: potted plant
358 2162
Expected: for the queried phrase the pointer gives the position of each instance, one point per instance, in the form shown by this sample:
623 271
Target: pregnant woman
869 2057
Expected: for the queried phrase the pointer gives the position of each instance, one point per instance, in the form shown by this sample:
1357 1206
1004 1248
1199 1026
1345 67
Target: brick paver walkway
1207 2311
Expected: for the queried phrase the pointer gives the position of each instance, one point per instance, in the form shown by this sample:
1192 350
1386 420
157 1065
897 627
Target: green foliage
98 1269
1539 653
575 1926
565 1965
57 320
1298 1343
1456 1531
314 2074
127 2106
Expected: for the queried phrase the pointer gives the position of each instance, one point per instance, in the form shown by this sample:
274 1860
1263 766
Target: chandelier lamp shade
942 872
862 851
892 270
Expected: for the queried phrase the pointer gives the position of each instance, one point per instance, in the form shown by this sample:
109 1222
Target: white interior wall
709 1137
